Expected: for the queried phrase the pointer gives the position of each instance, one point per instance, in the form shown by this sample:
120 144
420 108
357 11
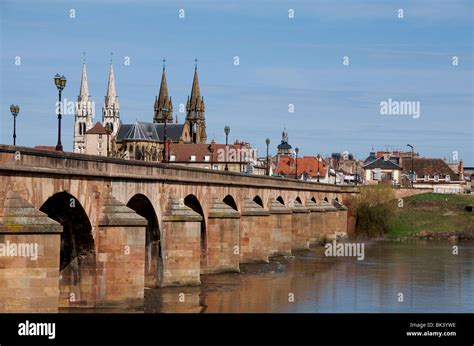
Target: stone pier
316 222
223 225
29 257
300 225
181 245
120 255
254 233
280 228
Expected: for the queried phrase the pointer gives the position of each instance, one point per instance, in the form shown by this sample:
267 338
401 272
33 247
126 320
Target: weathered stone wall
222 245
121 266
300 226
280 231
316 227
28 285
254 238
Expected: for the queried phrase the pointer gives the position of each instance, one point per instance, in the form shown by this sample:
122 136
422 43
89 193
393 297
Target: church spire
111 93
111 108
195 112
163 105
84 112
84 90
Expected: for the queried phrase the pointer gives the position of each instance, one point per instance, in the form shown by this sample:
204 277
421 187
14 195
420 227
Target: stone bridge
106 228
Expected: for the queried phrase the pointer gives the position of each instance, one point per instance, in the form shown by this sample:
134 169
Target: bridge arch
191 201
230 201
153 258
77 251
257 199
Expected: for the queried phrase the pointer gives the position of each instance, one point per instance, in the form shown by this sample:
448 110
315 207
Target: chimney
461 168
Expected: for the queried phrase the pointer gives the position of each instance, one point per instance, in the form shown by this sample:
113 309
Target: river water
427 273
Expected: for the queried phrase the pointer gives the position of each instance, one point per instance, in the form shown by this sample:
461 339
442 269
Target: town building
97 140
308 168
237 157
435 174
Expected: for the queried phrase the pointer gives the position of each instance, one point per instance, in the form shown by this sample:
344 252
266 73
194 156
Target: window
99 145
436 177
207 158
100 137
447 177
427 177
193 158
172 158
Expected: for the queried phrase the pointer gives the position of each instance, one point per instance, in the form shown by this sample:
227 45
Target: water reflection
428 275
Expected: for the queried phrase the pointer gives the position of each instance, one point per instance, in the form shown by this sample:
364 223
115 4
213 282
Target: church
147 141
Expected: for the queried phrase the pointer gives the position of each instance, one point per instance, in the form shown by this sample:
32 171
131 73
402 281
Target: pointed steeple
195 109
163 105
111 93
84 90
195 93
111 108
83 114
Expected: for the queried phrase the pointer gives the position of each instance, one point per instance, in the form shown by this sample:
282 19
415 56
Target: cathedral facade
84 113
148 141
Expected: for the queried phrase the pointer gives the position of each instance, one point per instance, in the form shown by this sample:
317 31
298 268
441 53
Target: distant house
309 168
97 141
381 169
434 174
240 157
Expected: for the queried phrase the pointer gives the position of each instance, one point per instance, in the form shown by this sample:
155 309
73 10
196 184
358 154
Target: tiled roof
97 129
382 164
307 164
45 147
141 131
184 151
431 167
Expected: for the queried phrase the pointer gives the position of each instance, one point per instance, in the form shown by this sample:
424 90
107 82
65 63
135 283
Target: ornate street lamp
267 142
227 131
60 82
14 109
296 152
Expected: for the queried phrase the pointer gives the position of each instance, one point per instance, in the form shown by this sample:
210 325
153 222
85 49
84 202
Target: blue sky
282 61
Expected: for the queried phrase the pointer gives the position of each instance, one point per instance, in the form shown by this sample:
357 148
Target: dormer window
436 177
207 158
192 158
447 177
172 158
427 177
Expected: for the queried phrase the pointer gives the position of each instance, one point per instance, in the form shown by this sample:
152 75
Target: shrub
374 207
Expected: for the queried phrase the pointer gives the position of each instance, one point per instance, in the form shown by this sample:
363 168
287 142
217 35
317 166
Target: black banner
222 329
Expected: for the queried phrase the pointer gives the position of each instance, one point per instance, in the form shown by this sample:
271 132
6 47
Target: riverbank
433 216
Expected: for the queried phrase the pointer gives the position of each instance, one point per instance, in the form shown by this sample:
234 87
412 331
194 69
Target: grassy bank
432 212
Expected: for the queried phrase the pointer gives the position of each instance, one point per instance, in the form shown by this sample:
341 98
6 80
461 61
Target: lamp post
267 142
108 129
168 142
60 82
412 173
14 109
227 131
165 135
296 152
